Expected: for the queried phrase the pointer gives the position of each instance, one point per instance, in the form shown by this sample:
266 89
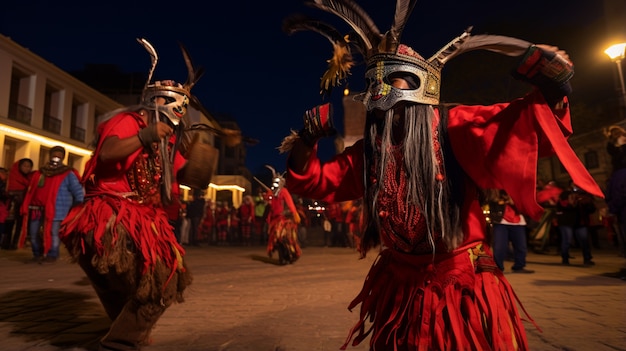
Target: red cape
49 207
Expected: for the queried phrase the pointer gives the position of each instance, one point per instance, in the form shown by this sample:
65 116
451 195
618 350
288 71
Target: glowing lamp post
617 53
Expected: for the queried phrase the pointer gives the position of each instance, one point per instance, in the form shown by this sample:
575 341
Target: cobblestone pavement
242 301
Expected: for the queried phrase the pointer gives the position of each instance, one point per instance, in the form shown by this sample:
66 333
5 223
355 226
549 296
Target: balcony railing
77 133
52 124
20 113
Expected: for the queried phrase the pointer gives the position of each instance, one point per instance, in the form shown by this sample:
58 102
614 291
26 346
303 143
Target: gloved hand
318 123
548 69
154 133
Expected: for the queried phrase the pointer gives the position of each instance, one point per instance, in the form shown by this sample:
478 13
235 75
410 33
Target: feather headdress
385 54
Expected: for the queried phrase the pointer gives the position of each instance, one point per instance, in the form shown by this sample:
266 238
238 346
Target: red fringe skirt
455 301
283 228
147 227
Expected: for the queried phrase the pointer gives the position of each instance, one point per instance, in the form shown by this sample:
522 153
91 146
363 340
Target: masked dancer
121 236
419 168
282 220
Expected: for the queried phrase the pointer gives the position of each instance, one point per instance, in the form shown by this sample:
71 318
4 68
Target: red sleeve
286 196
122 125
498 147
339 179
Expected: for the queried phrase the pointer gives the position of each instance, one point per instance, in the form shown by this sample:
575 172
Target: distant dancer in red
222 214
19 177
283 220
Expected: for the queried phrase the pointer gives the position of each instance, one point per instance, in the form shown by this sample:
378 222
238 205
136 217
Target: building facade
42 106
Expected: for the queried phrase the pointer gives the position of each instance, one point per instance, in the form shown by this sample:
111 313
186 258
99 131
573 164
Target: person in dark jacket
573 210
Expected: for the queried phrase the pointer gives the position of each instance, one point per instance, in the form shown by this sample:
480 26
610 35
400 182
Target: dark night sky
259 75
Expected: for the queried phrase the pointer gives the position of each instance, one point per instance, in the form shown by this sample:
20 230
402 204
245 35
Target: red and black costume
122 239
246 220
17 184
420 168
464 302
283 219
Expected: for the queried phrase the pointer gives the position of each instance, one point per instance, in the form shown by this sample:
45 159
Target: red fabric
45 196
4 211
458 300
221 215
334 212
277 205
549 194
207 221
510 214
498 146
147 225
246 213
17 180
279 225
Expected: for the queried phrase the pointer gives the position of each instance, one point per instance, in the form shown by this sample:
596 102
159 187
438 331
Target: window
19 109
79 120
52 106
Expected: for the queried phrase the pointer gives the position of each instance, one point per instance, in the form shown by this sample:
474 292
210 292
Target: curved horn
465 43
274 174
153 55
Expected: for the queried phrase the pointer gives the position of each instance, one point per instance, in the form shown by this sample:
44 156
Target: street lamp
617 53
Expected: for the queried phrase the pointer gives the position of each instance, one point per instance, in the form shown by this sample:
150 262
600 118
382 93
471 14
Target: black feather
193 74
353 15
298 23
403 11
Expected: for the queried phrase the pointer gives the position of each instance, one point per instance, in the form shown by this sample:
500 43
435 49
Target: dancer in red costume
283 220
419 169
120 235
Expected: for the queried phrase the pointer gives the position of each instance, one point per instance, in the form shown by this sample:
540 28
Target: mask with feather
386 58
176 95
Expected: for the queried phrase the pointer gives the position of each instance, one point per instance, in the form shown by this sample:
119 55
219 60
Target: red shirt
111 176
497 146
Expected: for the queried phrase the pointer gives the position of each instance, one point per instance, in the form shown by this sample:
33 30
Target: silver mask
380 94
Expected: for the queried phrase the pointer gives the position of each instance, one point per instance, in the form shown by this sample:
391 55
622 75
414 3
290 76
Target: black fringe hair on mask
439 201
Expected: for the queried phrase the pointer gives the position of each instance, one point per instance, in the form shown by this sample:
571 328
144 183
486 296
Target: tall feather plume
193 74
340 64
403 11
355 16
153 55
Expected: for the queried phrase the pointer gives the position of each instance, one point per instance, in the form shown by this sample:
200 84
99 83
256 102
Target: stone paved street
242 301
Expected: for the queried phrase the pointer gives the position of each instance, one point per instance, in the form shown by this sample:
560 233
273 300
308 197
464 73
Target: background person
19 177
509 226
53 190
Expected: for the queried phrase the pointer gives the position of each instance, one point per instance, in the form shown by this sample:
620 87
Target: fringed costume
122 239
120 235
282 220
419 169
